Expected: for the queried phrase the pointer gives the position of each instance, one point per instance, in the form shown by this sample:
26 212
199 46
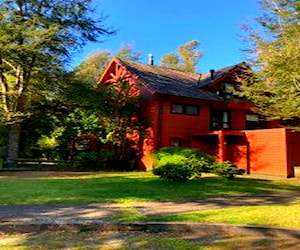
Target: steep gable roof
173 82
168 81
218 74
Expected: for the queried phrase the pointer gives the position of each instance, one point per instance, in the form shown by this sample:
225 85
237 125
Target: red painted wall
293 151
267 151
182 125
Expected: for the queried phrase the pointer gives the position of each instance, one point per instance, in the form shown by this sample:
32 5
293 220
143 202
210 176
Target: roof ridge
125 61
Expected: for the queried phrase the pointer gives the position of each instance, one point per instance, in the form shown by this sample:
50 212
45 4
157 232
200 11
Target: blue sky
159 27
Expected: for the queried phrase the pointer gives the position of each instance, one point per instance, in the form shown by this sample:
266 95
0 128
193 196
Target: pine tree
275 87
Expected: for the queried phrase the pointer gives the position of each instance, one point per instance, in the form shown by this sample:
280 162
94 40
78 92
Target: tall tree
275 41
36 38
92 67
170 61
187 58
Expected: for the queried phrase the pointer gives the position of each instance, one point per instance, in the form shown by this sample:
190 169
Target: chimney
151 61
212 74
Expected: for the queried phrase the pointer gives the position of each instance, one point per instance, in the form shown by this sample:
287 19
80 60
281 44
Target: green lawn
126 187
277 215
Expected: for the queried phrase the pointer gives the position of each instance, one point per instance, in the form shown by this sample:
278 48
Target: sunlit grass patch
278 215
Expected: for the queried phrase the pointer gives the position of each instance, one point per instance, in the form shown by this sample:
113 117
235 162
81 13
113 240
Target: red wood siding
182 125
238 155
293 151
267 151
238 119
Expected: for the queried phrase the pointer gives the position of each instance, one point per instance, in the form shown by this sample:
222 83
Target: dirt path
104 212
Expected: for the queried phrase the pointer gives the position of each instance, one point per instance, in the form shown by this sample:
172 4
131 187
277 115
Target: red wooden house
200 111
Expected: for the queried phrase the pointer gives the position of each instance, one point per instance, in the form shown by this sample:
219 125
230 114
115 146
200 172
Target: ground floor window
175 142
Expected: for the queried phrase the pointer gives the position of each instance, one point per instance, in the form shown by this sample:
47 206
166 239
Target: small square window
177 108
175 142
192 110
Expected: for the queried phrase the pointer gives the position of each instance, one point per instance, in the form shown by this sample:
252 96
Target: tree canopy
275 41
185 60
92 67
36 40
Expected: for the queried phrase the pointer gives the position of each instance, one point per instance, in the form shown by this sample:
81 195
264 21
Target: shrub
176 154
181 171
181 164
93 160
226 169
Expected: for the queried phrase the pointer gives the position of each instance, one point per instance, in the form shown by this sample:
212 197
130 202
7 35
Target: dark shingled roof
206 78
168 81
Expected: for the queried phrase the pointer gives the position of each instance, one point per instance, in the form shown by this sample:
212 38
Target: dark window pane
192 110
220 119
177 108
252 121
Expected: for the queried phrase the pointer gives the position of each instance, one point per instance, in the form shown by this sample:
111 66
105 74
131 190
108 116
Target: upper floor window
177 108
220 119
227 90
253 121
187 109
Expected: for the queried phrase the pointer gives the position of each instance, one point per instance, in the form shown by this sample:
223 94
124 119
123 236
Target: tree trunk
13 143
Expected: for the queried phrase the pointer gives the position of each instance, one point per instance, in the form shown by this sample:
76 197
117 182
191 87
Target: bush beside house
183 164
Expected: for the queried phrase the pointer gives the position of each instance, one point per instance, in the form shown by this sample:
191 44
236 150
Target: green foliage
111 114
39 134
174 154
94 156
181 164
275 87
92 67
183 170
81 122
121 119
187 58
87 156
47 142
226 169
91 161
36 39
170 61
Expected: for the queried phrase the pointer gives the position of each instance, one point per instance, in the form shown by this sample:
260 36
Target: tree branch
9 64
